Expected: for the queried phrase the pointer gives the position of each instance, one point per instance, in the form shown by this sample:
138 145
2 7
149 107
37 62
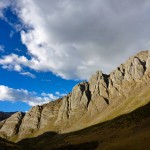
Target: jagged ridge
102 98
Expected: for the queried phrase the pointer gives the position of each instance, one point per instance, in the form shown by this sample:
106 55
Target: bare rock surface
50 113
31 121
11 125
103 97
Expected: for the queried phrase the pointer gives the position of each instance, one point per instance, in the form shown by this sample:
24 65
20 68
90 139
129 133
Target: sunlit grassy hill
127 132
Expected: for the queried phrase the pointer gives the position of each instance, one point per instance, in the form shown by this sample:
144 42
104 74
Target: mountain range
107 112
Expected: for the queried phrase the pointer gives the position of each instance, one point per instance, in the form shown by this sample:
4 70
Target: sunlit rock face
102 98
11 125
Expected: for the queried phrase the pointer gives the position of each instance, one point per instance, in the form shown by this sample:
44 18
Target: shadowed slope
130 131
6 145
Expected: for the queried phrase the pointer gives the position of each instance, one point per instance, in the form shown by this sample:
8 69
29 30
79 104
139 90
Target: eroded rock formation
102 98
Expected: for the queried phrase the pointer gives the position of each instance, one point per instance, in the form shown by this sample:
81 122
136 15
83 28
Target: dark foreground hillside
6 145
127 132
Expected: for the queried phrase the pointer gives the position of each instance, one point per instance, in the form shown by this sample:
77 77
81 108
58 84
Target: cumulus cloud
3 4
14 62
60 94
31 98
73 39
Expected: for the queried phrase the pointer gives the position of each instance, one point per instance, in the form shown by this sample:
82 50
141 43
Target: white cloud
18 68
31 98
13 62
3 4
51 96
73 39
28 74
60 94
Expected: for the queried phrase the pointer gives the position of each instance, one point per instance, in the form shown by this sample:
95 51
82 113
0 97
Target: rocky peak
98 84
31 120
102 95
133 69
75 103
80 96
11 125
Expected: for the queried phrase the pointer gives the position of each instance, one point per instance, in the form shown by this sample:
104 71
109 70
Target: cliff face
102 98
11 125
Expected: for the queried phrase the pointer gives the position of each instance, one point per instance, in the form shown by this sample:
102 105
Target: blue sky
47 47
43 82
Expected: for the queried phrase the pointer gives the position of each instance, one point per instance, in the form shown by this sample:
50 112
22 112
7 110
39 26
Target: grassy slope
130 131
119 105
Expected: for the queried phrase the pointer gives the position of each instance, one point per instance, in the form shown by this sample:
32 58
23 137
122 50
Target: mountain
130 131
5 115
102 98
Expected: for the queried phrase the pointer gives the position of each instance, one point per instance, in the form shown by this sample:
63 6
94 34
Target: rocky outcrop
11 125
31 120
99 85
49 113
74 104
128 74
103 97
